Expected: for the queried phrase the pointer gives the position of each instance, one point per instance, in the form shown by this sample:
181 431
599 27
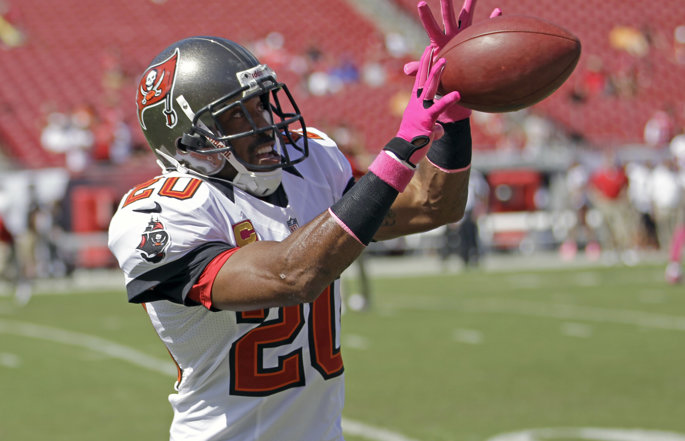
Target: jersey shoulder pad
315 136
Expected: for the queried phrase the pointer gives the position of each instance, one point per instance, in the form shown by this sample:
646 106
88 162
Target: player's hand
418 125
439 38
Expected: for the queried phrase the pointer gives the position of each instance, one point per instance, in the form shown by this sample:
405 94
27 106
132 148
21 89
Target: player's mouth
266 155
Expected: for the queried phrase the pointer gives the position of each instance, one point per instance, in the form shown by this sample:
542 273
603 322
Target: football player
235 250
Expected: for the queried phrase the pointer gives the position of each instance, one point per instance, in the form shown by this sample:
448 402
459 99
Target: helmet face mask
193 83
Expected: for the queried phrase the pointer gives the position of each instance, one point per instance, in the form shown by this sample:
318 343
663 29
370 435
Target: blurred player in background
236 249
7 251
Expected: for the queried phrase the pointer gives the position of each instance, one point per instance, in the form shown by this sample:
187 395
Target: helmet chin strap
257 183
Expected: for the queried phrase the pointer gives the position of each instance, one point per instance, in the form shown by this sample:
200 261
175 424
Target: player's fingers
429 24
431 85
424 69
466 13
449 18
411 68
438 132
495 13
446 101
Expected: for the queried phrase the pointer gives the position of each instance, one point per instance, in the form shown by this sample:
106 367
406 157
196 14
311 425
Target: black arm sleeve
453 150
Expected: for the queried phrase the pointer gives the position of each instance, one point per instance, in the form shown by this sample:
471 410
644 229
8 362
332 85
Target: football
508 63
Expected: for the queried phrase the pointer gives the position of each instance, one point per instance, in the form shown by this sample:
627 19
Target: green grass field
467 357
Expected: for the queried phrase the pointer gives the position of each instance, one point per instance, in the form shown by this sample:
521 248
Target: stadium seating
605 119
63 61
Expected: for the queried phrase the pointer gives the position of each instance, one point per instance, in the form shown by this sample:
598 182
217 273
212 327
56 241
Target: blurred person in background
608 192
666 199
27 244
576 181
12 32
463 238
7 250
640 195
659 129
71 134
674 272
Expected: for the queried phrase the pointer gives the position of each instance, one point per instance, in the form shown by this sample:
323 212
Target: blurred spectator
630 40
115 75
397 45
113 141
581 231
608 192
373 71
352 145
624 82
592 80
679 44
11 32
677 149
72 135
7 251
26 248
659 129
674 271
463 238
271 50
345 71
640 194
665 195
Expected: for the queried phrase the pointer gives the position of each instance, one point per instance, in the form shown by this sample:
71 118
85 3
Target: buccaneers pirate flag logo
153 242
155 90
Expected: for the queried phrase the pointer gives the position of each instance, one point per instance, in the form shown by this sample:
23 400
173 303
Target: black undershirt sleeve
174 280
453 150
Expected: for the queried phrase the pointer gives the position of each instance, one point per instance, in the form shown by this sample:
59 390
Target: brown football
507 63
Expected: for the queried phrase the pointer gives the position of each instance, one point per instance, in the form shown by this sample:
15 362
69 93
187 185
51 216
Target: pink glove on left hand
439 39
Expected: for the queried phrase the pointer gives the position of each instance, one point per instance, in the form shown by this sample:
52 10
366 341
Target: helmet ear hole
180 146
191 141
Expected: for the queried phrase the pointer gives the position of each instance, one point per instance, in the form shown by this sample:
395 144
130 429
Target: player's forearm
437 193
267 274
433 198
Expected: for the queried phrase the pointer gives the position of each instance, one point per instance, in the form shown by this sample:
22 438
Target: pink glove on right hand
440 38
396 163
418 123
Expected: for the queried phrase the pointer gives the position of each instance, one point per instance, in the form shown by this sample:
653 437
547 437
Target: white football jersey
273 374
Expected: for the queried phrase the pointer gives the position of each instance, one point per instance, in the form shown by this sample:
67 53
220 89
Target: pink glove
418 123
396 163
439 39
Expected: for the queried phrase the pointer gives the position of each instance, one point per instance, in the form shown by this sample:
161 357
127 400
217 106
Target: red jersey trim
201 292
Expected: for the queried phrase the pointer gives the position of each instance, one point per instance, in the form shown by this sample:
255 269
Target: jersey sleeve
164 242
175 280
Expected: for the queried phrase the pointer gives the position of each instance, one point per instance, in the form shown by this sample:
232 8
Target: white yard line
577 313
589 433
165 367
